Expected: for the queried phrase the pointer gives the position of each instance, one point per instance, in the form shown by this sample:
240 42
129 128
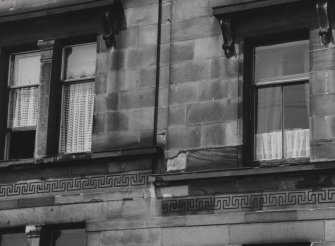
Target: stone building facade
175 156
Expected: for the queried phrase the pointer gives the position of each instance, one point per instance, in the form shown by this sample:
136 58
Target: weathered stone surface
224 68
142 118
147 77
177 114
143 56
145 15
318 128
137 98
212 159
105 102
122 80
148 35
208 47
99 123
116 121
140 237
323 150
322 105
175 191
322 59
184 137
188 9
100 83
190 71
177 163
189 29
116 60
210 112
330 230
93 238
213 135
184 93
127 38
215 89
195 236
182 51
35 202
277 232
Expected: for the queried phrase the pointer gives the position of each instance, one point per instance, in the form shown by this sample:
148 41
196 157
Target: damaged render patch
177 163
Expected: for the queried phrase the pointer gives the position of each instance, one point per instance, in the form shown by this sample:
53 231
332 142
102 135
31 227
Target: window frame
249 88
67 82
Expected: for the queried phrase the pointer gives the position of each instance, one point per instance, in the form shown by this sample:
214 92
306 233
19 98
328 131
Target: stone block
162 118
148 35
163 97
135 3
330 230
142 118
211 159
166 11
210 112
195 28
147 77
116 61
127 38
330 127
190 71
139 237
215 89
177 114
184 93
165 33
280 232
35 202
182 51
175 191
104 103
189 9
213 135
318 83
8 204
139 57
224 68
138 208
323 151
184 137
322 105
103 62
165 54
93 238
233 135
144 15
99 123
122 80
117 121
322 59
110 141
208 47
137 98
164 76
318 128
100 83
177 163
195 235
53 214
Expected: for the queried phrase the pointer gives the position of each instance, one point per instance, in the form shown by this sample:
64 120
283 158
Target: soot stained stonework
73 184
248 201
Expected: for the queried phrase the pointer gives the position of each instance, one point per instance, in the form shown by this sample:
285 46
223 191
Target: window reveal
78 98
281 101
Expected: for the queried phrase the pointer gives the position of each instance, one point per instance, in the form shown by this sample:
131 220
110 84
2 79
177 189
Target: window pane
13 239
27 68
23 107
80 61
22 144
268 139
74 237
77 118
281 59
296 121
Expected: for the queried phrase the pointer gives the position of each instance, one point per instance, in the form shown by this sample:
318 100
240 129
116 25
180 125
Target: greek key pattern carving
73 184
248 201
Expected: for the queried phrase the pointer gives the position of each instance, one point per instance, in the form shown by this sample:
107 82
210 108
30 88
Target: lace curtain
269 145
77 118
24 101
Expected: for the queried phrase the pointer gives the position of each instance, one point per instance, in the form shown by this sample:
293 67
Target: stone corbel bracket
228 41
322 9
111 23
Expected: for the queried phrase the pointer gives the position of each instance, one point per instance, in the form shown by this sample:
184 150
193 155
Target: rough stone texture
184 137
177 163
190 71
144 237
